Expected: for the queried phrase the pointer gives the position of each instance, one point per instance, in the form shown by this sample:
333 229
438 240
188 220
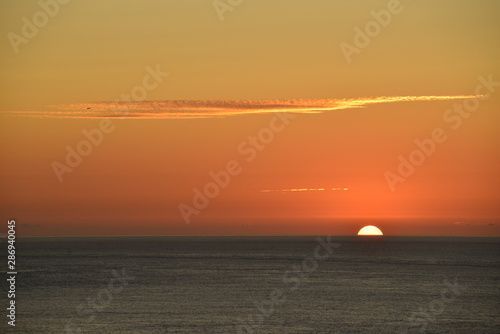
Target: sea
255 284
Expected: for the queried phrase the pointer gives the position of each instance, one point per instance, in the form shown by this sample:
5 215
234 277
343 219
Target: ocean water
257 285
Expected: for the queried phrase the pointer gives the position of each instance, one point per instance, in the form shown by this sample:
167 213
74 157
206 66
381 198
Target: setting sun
370 230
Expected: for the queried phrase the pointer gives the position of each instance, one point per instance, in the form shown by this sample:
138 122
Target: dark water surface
257 285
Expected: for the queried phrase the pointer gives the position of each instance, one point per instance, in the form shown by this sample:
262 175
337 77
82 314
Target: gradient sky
250 65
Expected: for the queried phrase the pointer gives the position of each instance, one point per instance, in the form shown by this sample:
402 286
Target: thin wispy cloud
193 109
301 190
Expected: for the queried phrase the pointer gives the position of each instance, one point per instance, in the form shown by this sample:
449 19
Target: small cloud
473 224
294 190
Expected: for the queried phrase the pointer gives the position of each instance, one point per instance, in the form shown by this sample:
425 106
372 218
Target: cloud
189 109
474 223
299 190
461 223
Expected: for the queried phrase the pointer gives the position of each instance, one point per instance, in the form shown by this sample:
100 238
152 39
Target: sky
251 117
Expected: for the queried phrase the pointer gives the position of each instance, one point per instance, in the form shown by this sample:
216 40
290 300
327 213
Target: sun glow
370 230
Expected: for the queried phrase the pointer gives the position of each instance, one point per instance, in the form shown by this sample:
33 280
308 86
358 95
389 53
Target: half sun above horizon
370 230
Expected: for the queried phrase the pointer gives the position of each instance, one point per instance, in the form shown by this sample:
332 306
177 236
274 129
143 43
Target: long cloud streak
189 109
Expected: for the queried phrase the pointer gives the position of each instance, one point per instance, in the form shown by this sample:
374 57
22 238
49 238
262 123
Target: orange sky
309 137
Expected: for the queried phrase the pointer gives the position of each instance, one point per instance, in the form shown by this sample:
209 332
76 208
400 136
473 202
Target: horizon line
257 235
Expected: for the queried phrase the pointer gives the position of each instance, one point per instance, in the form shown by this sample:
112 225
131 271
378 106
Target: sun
370 230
